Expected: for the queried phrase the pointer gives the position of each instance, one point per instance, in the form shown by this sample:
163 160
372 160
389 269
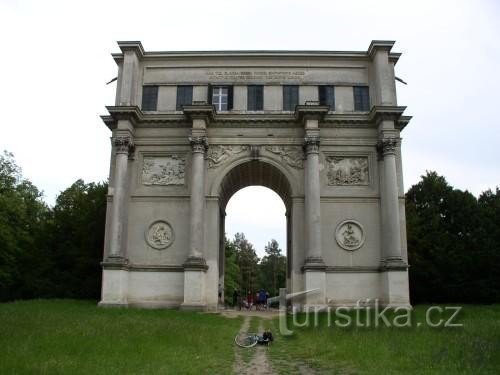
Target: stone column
197 203
195 265
390 203
312 202
123 146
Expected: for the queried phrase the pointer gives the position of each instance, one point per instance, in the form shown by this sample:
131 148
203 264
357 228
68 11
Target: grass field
471 349
76 337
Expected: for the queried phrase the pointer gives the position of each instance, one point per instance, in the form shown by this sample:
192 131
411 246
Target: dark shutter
322 95
255 98
361 98
149 98
210 93
290 97
259 98
229 98
184 96
327 96
251 98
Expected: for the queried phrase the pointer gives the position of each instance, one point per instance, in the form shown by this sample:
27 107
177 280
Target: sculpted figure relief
347 170
349 235
293 156
219 153
160 235
167 170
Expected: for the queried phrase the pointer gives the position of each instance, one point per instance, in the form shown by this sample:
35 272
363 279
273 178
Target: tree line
55 252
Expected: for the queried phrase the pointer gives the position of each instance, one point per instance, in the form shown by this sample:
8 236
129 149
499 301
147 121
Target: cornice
367 55
327 119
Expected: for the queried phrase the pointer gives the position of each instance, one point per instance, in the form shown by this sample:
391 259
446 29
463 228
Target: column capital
388 146
123 144
311 145
199 144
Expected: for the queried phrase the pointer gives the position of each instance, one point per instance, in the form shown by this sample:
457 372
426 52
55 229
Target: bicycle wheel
246 340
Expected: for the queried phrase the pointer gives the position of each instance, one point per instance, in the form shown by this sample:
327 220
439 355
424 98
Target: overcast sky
55 61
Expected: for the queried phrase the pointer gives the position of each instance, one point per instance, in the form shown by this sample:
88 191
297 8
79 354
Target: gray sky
55 62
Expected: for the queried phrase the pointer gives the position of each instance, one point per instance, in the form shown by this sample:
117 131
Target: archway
255 173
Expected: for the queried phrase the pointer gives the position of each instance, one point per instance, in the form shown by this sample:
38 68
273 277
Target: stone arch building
320 128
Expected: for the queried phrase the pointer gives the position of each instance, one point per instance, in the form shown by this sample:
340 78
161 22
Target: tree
272 268
247 261
78 239
23 252
232 272
449 254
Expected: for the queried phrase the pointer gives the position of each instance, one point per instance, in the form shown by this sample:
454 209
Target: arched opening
262 174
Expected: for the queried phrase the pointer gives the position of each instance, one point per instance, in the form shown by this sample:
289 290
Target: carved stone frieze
163 170
347 170
218 154
292 155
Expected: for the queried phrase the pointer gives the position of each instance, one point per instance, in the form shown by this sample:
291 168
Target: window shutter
251 98
259 98
188 100
209 94
229 98
322 95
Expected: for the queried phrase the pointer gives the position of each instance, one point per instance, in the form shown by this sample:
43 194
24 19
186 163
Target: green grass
76 337
471 349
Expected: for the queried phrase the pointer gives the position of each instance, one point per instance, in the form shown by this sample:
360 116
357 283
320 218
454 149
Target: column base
395 288
315 283
195 263
393 264
114 285
314 263
194 284
193 307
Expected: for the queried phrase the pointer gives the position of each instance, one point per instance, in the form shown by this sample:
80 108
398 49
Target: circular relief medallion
159 235
350 235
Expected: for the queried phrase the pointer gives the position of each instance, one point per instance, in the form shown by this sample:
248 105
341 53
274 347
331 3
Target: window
221 97
327 96
361 98
149 98
255 98
290 97
184 96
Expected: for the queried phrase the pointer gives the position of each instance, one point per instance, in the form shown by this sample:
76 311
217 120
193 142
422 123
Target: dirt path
259 364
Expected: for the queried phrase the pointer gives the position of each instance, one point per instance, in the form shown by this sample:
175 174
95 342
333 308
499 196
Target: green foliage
232 273
272 269
49 252
247 261
451 248
78 238
23 218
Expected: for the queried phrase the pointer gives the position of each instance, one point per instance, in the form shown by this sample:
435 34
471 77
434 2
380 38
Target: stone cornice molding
380 45
137 47
310 111
328 119
381 113
199 111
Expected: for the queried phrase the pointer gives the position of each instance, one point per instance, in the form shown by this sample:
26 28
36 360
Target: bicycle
248 340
